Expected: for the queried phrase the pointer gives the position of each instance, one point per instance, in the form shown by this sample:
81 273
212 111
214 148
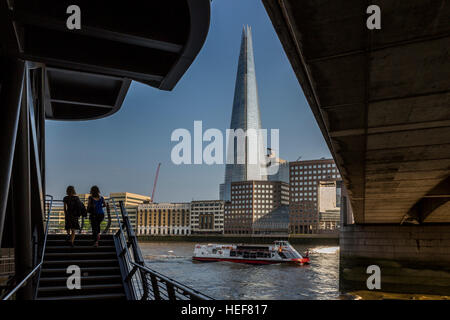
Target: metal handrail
137 263
39 265
108 224
192 293
121 234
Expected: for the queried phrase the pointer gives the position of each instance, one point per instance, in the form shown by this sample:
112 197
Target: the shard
245 116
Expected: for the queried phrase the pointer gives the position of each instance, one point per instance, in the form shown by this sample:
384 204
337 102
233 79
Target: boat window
282 255
214 251
232 253
246 254
253 255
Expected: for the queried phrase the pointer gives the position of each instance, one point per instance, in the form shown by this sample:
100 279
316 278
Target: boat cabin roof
281 243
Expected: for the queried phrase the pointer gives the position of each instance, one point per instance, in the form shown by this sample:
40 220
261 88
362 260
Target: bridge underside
50 72
380 97
88 70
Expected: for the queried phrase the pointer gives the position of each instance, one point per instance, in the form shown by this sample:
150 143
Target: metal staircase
100 271
115 270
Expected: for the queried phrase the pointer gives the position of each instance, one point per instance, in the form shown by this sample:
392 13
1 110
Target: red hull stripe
244 260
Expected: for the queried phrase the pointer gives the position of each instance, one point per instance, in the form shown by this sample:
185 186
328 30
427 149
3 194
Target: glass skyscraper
245 116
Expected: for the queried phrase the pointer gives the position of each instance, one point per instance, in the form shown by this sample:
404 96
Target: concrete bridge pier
413 259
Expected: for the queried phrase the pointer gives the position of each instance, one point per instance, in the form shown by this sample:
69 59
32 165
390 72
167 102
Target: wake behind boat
279 252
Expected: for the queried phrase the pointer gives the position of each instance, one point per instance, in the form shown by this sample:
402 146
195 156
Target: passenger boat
279 252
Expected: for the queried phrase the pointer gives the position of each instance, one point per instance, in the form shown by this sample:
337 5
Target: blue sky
121 152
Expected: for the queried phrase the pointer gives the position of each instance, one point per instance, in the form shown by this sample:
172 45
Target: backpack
75 205
81 209
95 207
99 206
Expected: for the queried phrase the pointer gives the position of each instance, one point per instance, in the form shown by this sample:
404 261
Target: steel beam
10 97
22 201
36 123
58 24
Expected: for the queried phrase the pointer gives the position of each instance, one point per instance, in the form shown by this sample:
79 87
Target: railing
6 266
36 270
160 287
54 221
57 221
141 282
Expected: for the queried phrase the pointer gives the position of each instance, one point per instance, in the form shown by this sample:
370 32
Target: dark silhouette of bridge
50 72
382 101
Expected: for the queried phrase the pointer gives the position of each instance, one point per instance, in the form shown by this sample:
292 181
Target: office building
131 202
304 181
163 219
329 206
57 220
207 217
251 201
275 222
283 167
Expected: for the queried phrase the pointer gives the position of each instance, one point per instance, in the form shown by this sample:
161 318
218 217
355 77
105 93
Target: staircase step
85 280
76 248
78 236
110 277
82 263
54 256
52 291
86 287
104 296
53 272
80 243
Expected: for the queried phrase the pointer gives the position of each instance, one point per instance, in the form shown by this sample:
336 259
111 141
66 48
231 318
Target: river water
227 280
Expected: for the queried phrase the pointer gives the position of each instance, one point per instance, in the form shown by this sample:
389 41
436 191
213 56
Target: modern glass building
251 201
283 167
248 161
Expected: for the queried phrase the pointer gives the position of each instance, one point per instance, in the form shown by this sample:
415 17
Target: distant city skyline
121 153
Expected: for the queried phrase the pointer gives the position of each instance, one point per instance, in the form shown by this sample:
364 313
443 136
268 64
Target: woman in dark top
71 213
96 203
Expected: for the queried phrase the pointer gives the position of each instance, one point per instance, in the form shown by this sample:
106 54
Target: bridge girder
380 97
434 206
89 70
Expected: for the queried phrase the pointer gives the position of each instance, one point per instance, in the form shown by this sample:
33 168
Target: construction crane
154 183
